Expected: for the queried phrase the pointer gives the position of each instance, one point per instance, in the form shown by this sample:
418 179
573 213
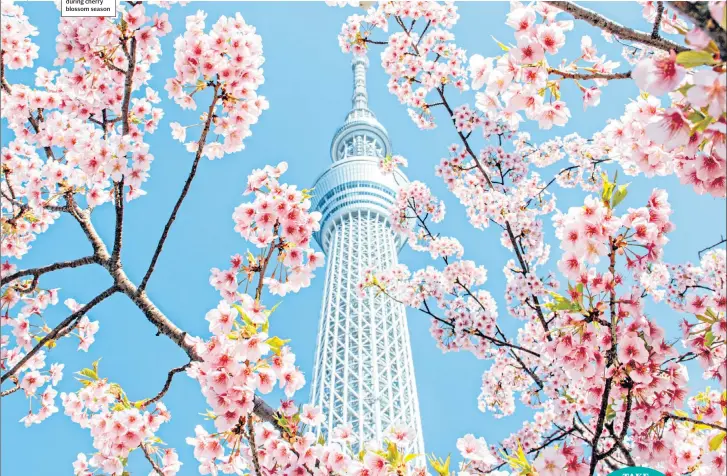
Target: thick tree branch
253 446
698 13
3 81
60 330
185 189
609 362
587 76
145 305
36 272
621 31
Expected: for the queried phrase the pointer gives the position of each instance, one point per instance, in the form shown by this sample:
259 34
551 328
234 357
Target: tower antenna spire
360 99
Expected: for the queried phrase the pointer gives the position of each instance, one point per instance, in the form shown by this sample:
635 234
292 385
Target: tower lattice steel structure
364 375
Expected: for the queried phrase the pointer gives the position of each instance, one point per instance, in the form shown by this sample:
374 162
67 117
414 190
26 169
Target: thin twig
10 391
185 189
723 240
587 76
151 461
167 384
59 329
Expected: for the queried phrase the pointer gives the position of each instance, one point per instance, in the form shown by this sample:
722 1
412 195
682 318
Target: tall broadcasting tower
364 375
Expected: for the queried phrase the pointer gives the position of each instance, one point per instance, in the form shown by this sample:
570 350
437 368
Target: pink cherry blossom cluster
228 61
390 163
410 58
28 327
486 204
117 426
61 117
413 200
18 50
468 316
702 291
279 219
657 141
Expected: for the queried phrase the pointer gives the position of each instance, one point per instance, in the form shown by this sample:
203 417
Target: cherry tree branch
698 13
587 76
253 446
185 189
671 416
723 240
3 81
610 361
37 272
163 324
151 461
621 31
619 440
167 384
130 53
58 331
657 19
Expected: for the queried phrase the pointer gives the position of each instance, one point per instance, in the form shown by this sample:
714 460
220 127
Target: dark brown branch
59 330
253 446
36 272
609 362
373 42
167 384
698 13
621 31
657 19
119 225
36 127
710 247
3 81
587 76
619 440
151 461
185 189
693 420
130 54
557 436
10 391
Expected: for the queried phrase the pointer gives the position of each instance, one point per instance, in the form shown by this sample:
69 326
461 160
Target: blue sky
308 82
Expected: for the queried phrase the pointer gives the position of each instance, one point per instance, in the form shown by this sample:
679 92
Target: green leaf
91 374
702 124
276 343
410 457
94 365
692 59
619 195
708 338
501 45
440 466
607 190
560 303
716 441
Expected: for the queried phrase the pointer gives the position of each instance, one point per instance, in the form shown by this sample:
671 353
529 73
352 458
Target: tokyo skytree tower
364 375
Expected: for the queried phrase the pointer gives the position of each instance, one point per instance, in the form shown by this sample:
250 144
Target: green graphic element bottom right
636 471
